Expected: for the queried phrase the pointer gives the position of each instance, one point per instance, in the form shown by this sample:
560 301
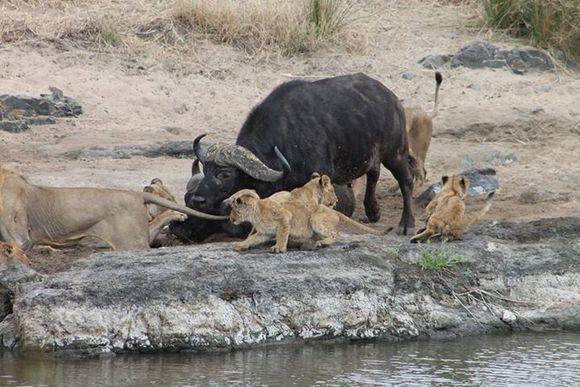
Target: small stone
435 61
407 76
508 317
491 247
542 89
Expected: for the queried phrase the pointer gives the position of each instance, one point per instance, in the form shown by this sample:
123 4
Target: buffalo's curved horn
248 162
197 150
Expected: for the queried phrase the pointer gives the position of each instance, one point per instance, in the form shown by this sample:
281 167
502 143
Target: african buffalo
344 127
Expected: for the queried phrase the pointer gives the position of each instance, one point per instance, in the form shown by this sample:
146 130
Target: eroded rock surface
483 54
209 297
18 112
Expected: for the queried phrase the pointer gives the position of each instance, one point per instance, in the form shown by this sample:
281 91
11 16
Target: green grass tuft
439 258
549 24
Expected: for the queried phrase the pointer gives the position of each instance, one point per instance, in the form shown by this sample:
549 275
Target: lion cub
160 216
419 127
446 212
10 252
300 216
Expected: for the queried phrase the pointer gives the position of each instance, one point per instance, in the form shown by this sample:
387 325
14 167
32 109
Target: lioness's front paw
239 246
181 217
277 249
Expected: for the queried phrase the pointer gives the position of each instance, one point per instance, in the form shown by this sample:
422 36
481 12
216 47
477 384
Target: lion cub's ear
156 181
325 181
464 183
148 188
444 179
314 175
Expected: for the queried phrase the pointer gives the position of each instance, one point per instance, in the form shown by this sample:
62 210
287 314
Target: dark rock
15 126
524 59
407 76
211 297
474 55
435 61
54 104
483 54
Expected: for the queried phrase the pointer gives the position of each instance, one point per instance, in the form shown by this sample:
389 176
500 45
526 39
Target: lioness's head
10 252
455 185
242 205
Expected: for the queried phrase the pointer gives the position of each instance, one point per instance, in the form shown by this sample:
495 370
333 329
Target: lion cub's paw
239 246
278 249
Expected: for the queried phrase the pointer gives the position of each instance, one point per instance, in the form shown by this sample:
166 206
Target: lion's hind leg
325 226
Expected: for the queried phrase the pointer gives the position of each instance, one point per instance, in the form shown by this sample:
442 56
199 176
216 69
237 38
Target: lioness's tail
356 225
475 217
150 198
438 80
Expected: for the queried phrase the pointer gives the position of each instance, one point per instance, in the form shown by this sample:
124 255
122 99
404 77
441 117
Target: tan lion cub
299 216
446 212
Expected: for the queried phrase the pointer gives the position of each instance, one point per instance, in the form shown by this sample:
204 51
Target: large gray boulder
517 277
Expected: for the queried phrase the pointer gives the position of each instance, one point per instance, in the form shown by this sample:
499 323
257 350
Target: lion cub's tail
356 225
475 217
438 81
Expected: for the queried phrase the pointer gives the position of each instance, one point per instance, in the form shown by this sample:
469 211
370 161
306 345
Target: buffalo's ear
315 175
444 179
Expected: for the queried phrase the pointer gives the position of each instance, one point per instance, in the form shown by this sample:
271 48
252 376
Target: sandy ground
525 126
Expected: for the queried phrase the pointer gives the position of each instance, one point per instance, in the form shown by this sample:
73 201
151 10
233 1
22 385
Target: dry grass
550 24
285 27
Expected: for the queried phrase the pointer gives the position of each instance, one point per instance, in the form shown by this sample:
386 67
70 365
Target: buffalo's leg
372 209
401 171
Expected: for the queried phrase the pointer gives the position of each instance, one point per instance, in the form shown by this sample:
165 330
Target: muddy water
529 359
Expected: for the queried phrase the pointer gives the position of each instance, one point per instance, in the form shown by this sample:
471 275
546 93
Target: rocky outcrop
18 112
514 277
483 54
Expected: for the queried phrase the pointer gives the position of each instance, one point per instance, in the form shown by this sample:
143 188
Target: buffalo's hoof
406 230
374 217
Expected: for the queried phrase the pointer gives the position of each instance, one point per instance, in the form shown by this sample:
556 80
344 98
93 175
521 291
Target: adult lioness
31 214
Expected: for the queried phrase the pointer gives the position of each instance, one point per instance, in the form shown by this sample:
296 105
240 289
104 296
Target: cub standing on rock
446 212
300 216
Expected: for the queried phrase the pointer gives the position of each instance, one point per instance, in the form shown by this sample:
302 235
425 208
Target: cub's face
242 206
10 252
157 187
328 194
457 185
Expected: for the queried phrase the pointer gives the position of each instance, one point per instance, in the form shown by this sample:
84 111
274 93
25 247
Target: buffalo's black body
344 127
